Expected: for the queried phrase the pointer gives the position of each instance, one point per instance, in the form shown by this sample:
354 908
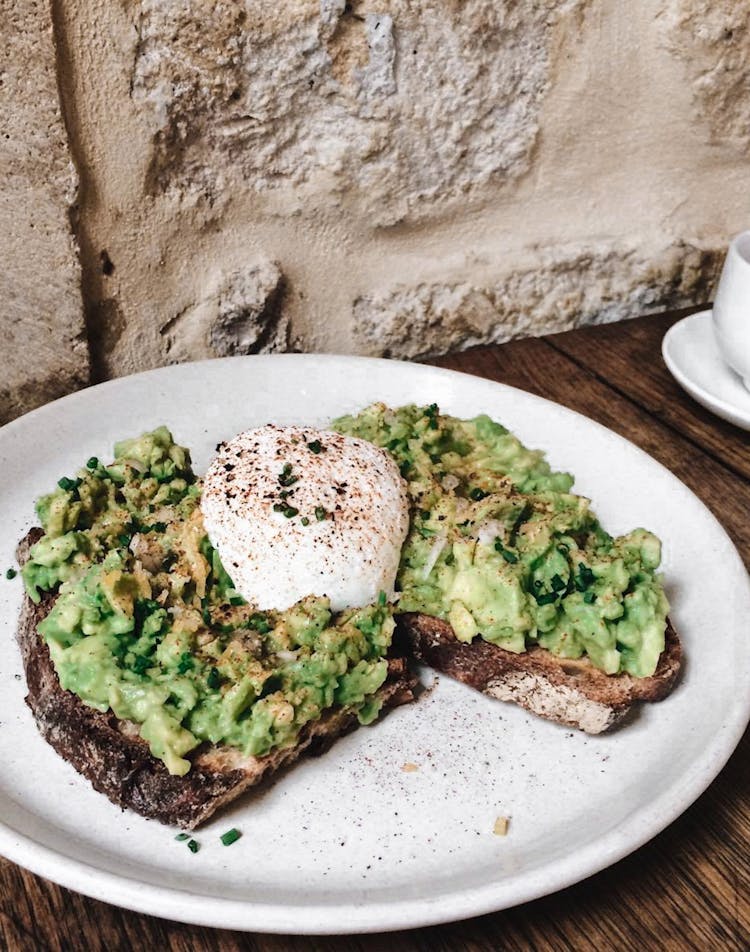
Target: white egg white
344 539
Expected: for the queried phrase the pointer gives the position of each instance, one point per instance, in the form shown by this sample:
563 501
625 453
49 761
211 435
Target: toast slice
571 692
117 761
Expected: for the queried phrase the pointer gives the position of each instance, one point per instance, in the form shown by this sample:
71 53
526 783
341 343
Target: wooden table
689 888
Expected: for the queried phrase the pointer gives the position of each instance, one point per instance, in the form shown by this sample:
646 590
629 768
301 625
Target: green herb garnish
193 846
506 553
320 513
141 664
231 836
181 837
214 678
558 585
431 413
477 494
286 510
185 663
92 462
546 598
285 477
259 622
11 573
315 446
585 577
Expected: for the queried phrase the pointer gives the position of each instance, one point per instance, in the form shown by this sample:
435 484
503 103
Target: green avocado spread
499 546
147 622
148 625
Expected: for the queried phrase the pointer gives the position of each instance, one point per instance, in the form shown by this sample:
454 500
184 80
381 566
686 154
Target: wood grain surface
689 888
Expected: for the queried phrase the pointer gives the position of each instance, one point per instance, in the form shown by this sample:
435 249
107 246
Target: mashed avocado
147 622
499 547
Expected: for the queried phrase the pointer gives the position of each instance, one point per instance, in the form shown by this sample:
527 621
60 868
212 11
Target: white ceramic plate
692 355
351 842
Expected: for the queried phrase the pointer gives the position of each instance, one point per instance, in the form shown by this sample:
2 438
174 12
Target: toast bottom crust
117 762
571 692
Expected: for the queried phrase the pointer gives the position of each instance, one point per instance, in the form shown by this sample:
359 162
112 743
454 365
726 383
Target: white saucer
690 352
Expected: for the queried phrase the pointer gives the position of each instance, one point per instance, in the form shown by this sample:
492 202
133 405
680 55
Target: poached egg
296 511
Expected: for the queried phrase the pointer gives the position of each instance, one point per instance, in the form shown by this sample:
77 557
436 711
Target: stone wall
393 177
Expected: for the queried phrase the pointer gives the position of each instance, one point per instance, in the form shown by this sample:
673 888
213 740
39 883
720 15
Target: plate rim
377 916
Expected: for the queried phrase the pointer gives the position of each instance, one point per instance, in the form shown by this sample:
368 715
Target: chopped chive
181 837
546 598
381 598
207 617
141 664
185 663
123 539
320 513
193 846
285 477
214 678
589 597
558 585
289 511
231 836
259 622
11 573
155 527
506 553
450 558
305 521
315 446
236 600
68 484
431 413
585 577
476 494
92 462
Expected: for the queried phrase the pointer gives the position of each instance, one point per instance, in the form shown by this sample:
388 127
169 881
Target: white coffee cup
731 311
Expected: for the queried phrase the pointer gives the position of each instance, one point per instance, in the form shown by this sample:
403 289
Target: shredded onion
436 548
136 464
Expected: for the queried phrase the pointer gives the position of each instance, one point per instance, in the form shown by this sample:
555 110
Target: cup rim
740 246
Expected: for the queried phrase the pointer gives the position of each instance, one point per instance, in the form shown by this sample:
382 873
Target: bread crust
117 762
571 692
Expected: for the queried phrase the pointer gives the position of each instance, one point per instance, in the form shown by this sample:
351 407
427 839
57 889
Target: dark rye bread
572 692
118 763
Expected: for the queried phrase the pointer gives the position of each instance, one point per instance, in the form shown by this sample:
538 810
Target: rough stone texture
381 176
713 39
405 104
44 348
239 315
587 288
